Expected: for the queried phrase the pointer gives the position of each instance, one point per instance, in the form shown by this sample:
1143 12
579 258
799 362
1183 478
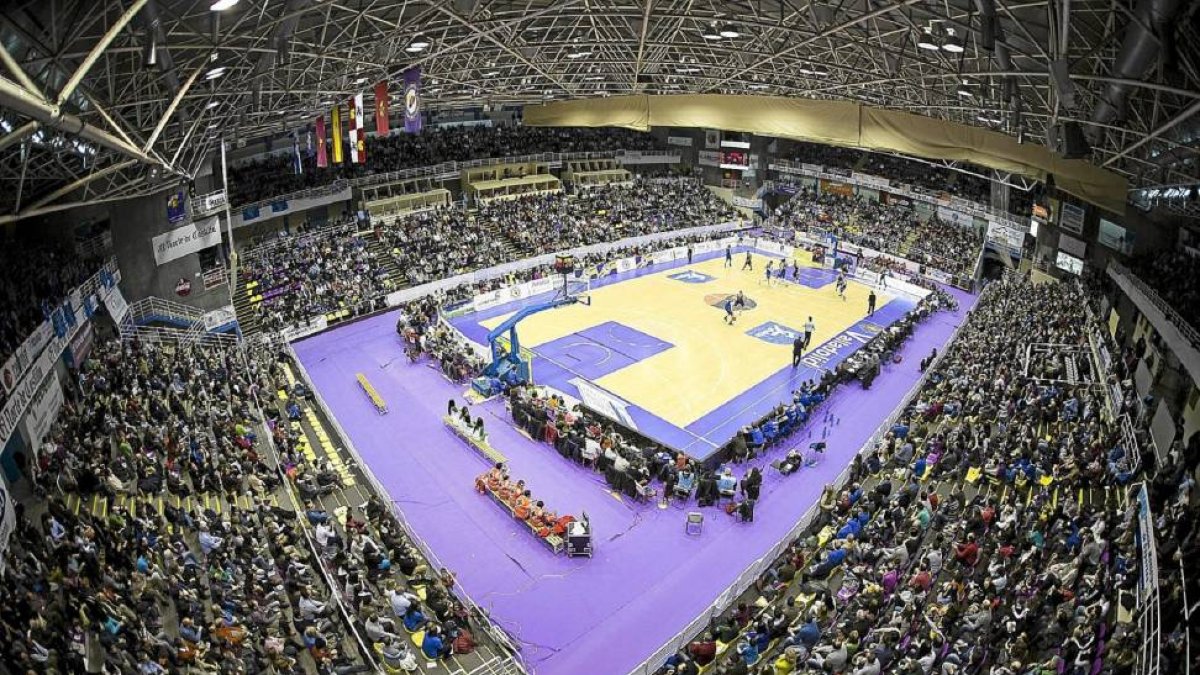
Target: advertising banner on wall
219 317
24 356
114 302
42 411
8 519
186 240
948 215
709 158
682 141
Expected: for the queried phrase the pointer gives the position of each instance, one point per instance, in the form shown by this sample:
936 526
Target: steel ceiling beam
19 134
18 98
98 50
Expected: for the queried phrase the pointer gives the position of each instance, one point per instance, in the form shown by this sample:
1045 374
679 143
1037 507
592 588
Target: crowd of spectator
441 243
200 564
297 277
1175 275
929 177
35 277
947 550
165 580
276 175
556 222
890 228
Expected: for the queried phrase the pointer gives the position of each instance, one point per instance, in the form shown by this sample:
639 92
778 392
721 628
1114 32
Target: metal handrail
446 169
1189 331
496 633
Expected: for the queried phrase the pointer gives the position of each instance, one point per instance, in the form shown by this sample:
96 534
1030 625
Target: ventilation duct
1138 53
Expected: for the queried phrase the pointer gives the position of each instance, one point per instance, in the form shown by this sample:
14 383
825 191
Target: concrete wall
134 224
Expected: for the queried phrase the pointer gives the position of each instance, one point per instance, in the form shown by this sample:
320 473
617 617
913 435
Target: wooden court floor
708 362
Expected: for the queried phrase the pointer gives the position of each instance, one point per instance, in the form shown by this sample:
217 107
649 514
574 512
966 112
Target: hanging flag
360 136
322 158
297 164
381 108
353 126
412 100
337 134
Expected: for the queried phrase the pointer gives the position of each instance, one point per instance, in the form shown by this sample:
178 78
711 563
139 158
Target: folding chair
694 523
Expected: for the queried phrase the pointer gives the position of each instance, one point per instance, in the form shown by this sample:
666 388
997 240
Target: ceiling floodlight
578 55
420 42
729 31
222 5
953 43
214 73
710 32
928 40
966 88
212 104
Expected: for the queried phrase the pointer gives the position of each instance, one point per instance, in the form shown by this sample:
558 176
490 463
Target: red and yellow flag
322 158
381 108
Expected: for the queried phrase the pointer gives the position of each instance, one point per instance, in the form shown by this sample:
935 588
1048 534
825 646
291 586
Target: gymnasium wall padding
841 123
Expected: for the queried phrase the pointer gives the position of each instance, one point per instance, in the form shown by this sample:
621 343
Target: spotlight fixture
966 88
710 32
214 73
578 55
420 42
953 43
222 5
729 31
212 104
928 40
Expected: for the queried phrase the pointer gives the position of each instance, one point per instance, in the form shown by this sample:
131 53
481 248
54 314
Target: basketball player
841 285
809 329
730 317
795 270
749 264
728 257
739 303
770 263
871 303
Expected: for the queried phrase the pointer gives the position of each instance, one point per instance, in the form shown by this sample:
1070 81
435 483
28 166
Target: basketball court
652 340
652 350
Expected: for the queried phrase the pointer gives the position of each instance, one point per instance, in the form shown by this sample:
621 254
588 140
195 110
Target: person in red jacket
967 552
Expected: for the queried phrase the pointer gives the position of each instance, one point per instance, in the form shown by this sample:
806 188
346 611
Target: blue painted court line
600 350
720 425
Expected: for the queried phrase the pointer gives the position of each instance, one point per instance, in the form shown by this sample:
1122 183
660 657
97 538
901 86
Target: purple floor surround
648 579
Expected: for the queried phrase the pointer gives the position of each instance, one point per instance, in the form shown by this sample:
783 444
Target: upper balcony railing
451 169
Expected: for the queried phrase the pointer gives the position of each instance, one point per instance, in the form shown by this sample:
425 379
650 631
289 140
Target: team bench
468 436
555 542
376 399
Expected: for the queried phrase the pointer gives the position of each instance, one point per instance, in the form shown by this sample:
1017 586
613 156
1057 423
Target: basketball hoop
564 263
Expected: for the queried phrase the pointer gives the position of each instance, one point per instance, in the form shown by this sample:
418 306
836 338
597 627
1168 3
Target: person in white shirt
401 601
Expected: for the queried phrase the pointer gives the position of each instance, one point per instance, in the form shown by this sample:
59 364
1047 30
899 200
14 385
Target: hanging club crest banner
412 100
176 207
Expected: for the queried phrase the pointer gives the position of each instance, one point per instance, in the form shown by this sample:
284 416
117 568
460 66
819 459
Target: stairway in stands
246 307
511 250
385 259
